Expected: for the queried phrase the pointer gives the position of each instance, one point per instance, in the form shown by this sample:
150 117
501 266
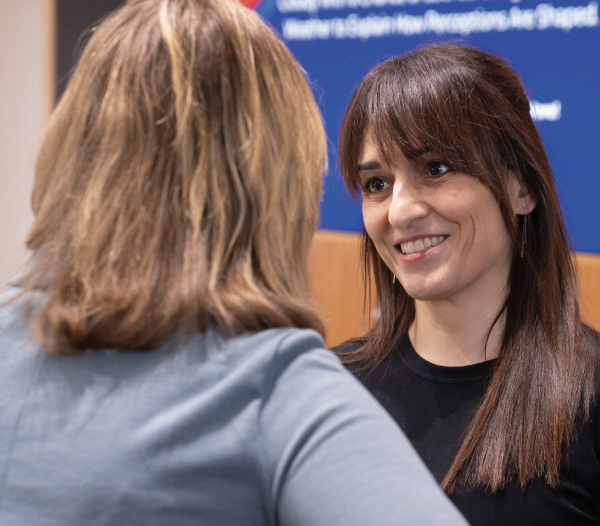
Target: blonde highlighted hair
177 184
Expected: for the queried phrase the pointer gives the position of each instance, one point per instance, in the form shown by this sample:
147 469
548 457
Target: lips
421 245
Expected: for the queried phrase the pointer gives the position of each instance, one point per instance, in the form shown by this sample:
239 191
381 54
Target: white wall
25 64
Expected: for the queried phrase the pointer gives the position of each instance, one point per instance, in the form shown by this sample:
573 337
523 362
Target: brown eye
437 169
375 185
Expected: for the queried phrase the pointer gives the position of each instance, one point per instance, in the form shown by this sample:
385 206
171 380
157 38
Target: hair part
471 108
178 183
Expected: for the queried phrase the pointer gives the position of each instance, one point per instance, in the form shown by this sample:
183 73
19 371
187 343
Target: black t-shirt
434 406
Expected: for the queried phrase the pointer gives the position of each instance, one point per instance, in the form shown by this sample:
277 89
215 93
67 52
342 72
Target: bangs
425 104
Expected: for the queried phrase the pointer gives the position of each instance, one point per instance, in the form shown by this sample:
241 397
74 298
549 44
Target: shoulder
298 353
303 379
276 359
327 440
274 346
11 308
14 331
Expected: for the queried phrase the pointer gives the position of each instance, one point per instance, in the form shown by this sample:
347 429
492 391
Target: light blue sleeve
338 458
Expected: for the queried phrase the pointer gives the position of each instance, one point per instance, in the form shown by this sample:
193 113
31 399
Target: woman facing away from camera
157 365
479 351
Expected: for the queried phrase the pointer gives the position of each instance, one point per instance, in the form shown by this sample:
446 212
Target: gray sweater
261 429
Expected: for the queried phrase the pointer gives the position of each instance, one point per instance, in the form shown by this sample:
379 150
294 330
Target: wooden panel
589 282
337 284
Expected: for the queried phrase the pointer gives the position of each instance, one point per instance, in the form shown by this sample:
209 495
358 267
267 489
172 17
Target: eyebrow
369 165
423 151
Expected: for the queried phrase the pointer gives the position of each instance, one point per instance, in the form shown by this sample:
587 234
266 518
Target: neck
457 332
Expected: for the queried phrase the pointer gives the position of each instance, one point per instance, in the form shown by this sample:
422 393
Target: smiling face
441 232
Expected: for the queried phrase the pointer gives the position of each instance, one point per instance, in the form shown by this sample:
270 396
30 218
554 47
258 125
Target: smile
421 245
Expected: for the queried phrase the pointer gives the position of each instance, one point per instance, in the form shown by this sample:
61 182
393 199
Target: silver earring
394 280
524 234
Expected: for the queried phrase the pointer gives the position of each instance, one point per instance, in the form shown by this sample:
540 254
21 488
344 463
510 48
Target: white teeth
420 245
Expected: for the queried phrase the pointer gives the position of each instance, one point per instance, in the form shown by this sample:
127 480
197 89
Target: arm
338 458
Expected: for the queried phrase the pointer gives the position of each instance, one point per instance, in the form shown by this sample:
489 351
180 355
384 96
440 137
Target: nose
408 205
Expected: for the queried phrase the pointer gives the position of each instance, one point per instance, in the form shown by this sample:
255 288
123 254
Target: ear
521 200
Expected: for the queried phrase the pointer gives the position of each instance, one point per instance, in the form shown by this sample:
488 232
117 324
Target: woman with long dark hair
157 363
477 348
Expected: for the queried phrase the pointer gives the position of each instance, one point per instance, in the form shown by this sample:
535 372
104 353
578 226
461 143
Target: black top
434 405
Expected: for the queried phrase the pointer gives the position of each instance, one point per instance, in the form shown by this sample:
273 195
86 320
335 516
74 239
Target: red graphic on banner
251 3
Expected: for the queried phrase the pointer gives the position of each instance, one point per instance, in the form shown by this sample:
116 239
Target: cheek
375 218
488 217
485 225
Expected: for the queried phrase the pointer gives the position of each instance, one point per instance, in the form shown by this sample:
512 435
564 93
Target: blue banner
554 47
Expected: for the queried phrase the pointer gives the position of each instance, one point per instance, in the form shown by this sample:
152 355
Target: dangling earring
524 234
394 280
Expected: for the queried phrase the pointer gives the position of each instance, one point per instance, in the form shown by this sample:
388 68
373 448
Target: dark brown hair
178 182
470 108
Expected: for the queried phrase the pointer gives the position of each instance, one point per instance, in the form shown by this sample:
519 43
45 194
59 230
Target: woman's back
262 428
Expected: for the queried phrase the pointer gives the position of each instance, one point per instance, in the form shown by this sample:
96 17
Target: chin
427 293
426 296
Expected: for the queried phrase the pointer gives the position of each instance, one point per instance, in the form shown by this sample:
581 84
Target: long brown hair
471 108
178 182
